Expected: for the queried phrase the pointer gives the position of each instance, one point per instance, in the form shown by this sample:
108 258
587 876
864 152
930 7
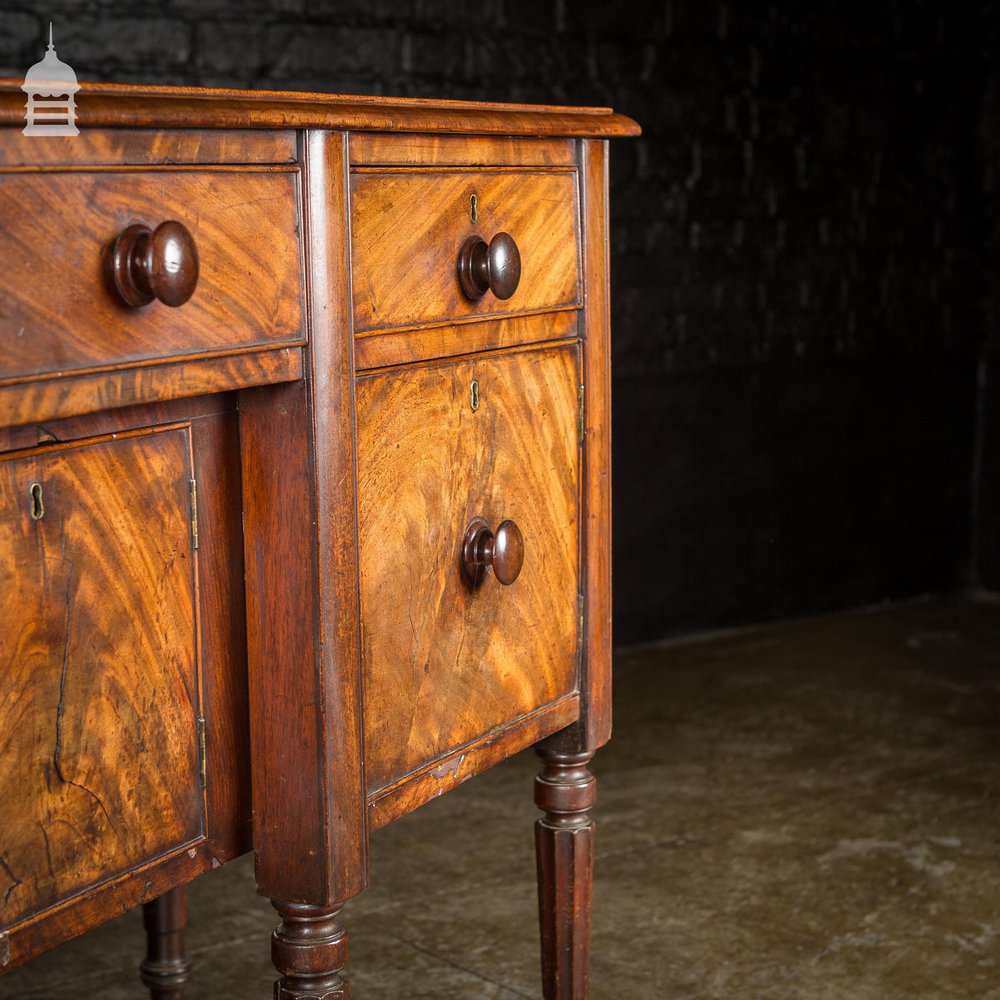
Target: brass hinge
193 494
201 751
579 630
581 420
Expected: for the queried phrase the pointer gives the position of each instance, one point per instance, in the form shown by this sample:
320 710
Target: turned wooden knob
489 267
161 263
503 550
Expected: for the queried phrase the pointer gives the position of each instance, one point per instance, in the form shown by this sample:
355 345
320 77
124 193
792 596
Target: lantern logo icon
50 86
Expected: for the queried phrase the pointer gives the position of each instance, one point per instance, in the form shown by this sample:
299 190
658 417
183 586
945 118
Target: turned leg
564 846
309 949
166 970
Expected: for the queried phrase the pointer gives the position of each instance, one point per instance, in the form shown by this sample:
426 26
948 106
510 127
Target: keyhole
37 506
474 202
474 395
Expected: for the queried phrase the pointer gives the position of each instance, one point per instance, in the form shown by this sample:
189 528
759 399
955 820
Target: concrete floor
807 810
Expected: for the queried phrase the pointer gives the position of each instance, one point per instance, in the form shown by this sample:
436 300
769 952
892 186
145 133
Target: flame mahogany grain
248 295
309 632
147 148
397 347
444 661
408 228
49 399
380 149
144 636
98 663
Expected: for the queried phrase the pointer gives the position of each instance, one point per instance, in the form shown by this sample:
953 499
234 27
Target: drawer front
445 661
408 228
58 307
99 759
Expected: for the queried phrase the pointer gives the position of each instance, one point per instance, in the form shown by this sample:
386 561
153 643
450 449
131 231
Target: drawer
99 679
408 227
59 311
446 660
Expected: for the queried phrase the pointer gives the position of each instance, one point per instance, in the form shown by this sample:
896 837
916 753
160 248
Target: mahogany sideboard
304 481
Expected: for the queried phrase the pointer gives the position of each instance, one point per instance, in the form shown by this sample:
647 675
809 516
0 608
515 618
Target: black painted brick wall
798 296
986 525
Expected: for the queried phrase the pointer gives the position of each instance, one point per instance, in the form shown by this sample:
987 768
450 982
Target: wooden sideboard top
128 106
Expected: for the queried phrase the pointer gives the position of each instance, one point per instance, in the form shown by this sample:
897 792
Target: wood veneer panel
216 466
387 149
407 229
147 147
100 422
59 398
99 655
440 776
395 347
445 662
57 312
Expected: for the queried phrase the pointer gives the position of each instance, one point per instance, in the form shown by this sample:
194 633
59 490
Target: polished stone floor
806 810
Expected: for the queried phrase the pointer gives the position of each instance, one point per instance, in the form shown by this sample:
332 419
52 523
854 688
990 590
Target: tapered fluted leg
166 970
564 845
309 949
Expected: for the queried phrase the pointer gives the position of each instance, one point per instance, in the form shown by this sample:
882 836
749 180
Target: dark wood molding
594 729
125 106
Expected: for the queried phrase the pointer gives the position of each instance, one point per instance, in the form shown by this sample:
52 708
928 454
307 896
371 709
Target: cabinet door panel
99 757
445 662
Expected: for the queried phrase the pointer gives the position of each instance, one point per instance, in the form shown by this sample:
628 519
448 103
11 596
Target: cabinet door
99 751
447 660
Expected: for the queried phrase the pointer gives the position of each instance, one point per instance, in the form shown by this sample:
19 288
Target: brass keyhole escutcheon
474 395
474 213
36 505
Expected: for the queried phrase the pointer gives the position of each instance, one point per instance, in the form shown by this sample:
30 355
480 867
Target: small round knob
503 550
494 267
155 264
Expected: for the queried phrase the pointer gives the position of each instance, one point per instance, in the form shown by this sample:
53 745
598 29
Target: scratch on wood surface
14 880
57 753
48 850
62 675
